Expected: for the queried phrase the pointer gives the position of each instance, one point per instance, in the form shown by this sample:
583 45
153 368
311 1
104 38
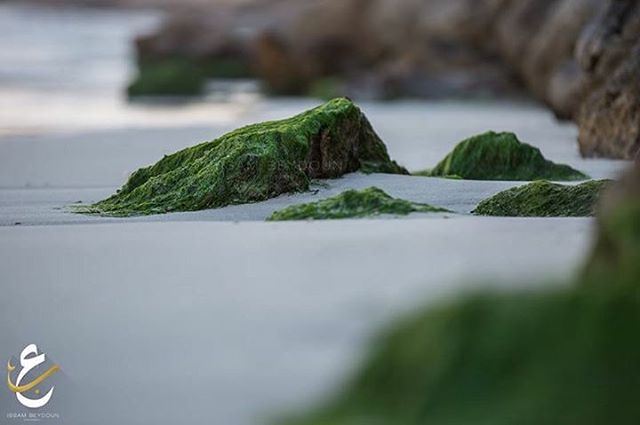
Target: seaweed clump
171 77
500 156
255 163
544 199
352 204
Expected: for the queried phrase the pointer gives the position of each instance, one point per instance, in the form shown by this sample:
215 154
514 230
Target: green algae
226 68
500 156
255 163
616 255
615 258
553 357
545 199
181 76
352 204
171 77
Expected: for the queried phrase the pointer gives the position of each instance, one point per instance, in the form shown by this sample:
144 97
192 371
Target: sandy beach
265 303
217 316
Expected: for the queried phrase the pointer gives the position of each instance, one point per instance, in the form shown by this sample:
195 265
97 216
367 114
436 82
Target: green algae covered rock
255 163
352 204
171 77
549 356
497 359
500 156
544 199
616 254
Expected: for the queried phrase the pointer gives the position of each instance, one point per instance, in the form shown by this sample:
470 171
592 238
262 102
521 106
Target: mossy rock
545 199
500 156
255 163
226 68
615 258
171 77
352 204
550 358
553 356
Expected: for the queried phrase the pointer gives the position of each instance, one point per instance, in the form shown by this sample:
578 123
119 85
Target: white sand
224 323
189 319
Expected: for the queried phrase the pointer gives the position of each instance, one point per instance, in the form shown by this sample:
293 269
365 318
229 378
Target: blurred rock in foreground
548 357
616 255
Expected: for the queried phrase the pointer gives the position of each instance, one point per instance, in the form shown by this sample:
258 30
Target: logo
28 393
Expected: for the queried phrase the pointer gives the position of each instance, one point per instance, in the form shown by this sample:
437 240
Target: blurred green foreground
560 357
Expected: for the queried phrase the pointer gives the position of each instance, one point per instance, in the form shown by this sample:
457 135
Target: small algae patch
352 204
255 163
545 199
171 77
500 156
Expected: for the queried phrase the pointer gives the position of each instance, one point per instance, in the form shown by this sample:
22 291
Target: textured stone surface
609 117
255 163
579 57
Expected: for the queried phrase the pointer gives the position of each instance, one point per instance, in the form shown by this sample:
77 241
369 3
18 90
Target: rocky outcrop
616 254
609 52
580 57
545 199
500 156
255 163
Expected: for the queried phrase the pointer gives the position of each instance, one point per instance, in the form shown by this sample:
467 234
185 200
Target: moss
544 199
171 77
255 163
226 67
500 156
352 204
550 358
615 258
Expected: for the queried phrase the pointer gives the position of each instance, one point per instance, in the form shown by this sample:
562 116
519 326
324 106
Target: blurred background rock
579 57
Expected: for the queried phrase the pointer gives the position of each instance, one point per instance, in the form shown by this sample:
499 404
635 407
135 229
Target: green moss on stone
550 358
500 156
553 356
171 77
544 199
226 67
352 204
615 258
255 163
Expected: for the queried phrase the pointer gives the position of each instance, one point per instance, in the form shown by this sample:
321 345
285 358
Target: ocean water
65 69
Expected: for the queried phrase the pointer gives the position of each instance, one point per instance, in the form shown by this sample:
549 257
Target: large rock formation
580 57
616 255
255 163
547 356
609 52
